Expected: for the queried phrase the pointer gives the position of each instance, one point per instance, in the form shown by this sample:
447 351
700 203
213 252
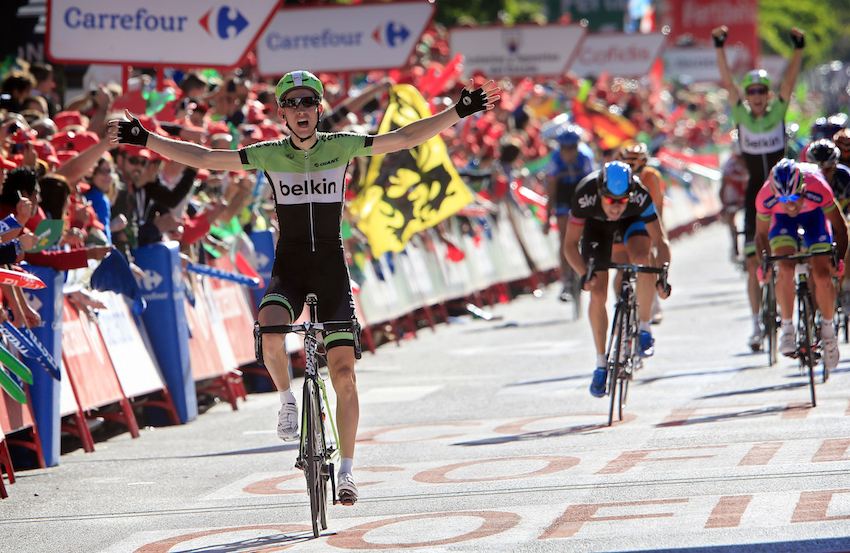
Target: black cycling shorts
297 272
599 237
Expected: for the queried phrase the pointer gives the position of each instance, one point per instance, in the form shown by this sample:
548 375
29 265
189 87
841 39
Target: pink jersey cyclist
805 209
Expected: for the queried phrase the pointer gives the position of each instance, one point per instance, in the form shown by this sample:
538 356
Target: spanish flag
411 190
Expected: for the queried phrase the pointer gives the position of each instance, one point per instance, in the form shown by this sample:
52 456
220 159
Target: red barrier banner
205 358
697 18
87 361
14 416
232 303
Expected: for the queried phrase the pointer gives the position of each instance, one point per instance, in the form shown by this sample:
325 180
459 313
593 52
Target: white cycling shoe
756 340
788 342
346 489
829 346
287 422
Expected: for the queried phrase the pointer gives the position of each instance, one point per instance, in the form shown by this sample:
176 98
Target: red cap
218 127
72 140
270 131
133 150
64 155
24 136
67 118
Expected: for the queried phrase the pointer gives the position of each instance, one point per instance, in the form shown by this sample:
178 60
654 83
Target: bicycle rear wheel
807 324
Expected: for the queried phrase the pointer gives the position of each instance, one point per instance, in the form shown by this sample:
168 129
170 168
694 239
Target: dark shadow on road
776 388
749 413
699 373
816 544
514 324
540 435
254 451
546 381
284 541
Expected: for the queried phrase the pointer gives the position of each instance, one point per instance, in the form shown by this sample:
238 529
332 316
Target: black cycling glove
719 41
471 102
799 41
132 132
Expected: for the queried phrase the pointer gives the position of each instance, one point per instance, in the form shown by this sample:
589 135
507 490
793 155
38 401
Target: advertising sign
699 64
519 51
149 33
618 54
351 38
697 18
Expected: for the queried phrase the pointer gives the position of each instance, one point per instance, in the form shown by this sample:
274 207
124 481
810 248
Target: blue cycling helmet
570 136
615 180
786 178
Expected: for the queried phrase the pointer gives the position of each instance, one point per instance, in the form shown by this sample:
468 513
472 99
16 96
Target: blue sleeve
101 207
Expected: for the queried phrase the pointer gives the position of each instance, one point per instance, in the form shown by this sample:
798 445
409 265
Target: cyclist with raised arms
610 206
571 162
761 135
306 171
797 197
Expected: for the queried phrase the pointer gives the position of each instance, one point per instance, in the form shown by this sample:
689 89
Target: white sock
644 325
346 465
827 330
286 396
601 361
787 326
757 322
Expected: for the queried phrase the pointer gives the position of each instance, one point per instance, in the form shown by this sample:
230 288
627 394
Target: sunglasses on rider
615 201
788 198
757 90
306 101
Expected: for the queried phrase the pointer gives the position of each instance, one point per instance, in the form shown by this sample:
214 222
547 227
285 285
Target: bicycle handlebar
632 267
308 326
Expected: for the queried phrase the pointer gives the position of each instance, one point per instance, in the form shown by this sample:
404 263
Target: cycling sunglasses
306 101
615 201
756 90
788 198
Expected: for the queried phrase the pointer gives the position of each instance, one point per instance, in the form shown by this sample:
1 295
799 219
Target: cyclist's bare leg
824 291
341 368
274 355
785 284
753 286
639 250
597 311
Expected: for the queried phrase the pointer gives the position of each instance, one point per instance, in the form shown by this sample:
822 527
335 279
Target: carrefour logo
150 281
227 22
392 34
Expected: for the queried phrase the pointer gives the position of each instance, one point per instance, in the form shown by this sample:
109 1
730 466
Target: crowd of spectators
56 164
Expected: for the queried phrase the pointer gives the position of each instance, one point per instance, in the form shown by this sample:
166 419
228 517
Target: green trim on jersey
761 135
332 150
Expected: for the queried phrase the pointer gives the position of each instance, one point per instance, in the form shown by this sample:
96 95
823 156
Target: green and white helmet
756 76
298 79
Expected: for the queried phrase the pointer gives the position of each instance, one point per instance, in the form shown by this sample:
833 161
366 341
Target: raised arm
789 79
726 81
193 155
413 134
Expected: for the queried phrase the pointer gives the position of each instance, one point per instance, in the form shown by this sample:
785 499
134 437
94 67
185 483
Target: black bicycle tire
320 461
310 470
769 322
614 365
809 322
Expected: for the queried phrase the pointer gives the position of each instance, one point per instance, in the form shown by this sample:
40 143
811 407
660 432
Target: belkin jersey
308 185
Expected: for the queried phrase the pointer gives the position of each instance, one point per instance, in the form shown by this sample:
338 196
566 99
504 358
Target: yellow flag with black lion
408 191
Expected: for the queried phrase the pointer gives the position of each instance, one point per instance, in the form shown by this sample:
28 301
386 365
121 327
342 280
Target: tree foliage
822 20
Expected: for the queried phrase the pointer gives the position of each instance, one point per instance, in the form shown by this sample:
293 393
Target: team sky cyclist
567 166
611 206
824 153
761 135
636 156
797 197
306 171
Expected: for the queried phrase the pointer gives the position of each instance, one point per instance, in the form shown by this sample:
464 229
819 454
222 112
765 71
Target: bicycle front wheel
313 453
615 361
807 323
768 309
